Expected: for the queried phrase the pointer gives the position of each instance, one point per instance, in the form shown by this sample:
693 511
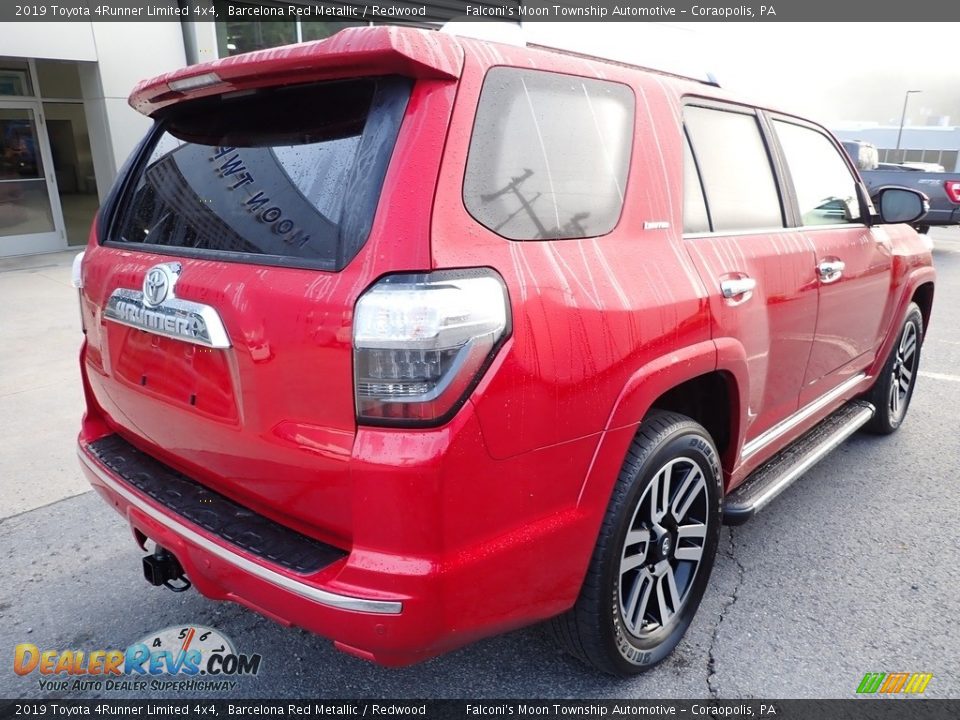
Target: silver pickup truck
943 189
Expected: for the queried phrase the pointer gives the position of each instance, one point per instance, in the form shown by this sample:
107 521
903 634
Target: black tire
901 363
608 627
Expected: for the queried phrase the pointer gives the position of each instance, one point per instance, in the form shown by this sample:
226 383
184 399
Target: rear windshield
287 176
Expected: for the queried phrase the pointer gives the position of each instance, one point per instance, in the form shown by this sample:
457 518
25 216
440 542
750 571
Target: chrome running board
779 473
801 415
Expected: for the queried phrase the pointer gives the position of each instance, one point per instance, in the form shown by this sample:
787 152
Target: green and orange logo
894 683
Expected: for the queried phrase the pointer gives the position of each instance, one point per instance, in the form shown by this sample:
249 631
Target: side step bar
779 473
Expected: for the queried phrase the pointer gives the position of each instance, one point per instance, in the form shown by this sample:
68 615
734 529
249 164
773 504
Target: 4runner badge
156 310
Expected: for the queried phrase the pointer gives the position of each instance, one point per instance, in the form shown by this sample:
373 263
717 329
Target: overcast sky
831 72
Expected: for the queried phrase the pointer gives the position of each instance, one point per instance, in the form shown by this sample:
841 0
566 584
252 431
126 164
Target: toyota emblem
158 283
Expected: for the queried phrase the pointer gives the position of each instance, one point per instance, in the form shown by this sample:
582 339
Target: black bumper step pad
212 511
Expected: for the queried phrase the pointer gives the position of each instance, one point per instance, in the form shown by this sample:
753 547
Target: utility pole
903 118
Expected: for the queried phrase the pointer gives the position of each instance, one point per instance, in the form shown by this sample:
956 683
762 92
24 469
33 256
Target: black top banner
852 11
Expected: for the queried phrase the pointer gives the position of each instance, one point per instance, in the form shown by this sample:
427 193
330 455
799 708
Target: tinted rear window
286 176
549 155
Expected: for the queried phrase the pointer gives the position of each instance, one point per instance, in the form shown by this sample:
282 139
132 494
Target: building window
240 36
946 158
15 78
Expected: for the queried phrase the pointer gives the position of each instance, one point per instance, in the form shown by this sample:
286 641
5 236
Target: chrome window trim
322 597
735 233
784 426
833 226
775 230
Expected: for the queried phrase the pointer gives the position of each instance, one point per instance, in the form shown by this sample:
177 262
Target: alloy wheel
904 371
663 547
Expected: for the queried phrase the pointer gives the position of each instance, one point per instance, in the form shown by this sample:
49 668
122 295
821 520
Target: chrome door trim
833 442
784 426
803 229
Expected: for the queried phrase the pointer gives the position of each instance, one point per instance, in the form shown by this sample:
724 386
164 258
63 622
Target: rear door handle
738 288
830 270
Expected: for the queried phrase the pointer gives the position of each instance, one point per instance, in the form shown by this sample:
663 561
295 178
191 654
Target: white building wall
48 40
200 37
126 54
117 55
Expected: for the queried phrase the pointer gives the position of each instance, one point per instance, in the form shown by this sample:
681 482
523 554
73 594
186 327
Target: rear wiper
155 226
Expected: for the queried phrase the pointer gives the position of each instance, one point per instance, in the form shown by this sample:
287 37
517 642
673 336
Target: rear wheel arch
713 401
917 287
675 382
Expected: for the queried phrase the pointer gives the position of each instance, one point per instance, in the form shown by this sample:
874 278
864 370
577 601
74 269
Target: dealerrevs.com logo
186 658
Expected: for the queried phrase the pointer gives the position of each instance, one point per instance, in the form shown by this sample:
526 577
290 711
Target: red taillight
421 341
953 190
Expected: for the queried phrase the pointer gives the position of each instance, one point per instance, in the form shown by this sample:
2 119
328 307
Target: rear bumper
407 591
119 490
389 630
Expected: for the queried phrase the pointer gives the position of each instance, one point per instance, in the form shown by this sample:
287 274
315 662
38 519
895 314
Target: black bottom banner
872 709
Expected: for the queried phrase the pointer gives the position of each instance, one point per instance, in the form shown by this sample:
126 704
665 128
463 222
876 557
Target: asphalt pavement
854 569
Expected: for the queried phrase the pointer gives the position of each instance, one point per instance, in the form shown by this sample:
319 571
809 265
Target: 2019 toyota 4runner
410 339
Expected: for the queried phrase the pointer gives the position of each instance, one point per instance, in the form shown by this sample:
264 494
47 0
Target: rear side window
549 155
825 188
287 176
735 169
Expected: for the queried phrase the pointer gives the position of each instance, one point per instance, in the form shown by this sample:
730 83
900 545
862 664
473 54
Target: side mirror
901 205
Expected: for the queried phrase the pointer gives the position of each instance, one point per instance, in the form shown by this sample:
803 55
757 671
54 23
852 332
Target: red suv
410 339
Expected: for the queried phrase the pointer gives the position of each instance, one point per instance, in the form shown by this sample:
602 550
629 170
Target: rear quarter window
285 176
549 155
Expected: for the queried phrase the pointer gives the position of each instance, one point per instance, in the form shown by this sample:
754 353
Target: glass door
30 218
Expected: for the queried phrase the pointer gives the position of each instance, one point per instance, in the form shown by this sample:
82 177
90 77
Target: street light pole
903 117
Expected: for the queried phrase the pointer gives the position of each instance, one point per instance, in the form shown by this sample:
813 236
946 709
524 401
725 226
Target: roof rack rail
660 47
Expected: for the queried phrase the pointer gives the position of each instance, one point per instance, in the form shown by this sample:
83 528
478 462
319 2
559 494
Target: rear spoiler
354 52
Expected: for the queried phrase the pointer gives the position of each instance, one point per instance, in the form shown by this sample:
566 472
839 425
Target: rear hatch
218 297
